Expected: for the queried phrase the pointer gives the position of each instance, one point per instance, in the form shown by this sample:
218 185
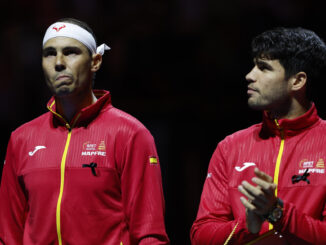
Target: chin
63 92
256 106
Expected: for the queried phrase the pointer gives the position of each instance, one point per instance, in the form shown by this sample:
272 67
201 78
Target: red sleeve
215 221
142 192
12 202
302 225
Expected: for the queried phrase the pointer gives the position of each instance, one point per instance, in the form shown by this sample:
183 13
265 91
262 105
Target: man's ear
298 81
96 62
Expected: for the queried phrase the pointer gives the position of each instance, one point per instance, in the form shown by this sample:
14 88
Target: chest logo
318 167
39 147
245 165
306 164
92 149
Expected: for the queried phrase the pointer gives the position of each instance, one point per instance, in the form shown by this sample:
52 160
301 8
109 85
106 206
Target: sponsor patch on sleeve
153 160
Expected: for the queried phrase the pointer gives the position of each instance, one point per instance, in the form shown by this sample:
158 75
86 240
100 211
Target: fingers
253 193
247 204
261 197
244 191
252 206
264 181
267 187
262 175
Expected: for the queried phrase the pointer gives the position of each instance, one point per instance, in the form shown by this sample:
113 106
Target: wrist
276 213
254 221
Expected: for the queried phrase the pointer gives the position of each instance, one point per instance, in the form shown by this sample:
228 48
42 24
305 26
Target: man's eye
262 67
49 53
69 52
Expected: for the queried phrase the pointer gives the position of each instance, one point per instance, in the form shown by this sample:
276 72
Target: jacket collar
290 127
86 115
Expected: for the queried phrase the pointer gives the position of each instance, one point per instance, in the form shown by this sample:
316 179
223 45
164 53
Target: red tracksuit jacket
98 182
281 149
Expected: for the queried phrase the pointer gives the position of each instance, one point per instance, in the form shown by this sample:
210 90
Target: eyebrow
48 49
75 48
52 49
262 62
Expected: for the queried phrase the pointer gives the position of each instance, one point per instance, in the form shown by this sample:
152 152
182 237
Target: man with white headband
84 172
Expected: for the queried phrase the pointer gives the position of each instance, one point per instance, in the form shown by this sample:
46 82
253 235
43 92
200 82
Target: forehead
62 42
267 60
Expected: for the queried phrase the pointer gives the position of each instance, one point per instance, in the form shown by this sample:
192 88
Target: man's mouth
251 90
62 77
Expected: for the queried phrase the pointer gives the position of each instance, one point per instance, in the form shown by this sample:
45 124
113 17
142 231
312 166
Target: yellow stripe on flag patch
152 160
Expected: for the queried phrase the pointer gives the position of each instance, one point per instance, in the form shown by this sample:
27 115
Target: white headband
63 29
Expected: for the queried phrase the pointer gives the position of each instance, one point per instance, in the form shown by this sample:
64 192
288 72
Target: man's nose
250 77
60 63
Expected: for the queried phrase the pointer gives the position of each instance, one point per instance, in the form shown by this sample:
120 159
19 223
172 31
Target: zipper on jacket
62 178
231 234
278 161
62 168
62 175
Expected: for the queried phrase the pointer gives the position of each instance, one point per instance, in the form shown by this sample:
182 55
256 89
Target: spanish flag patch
153 160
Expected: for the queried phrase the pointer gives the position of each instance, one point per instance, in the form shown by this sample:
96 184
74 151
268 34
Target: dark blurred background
176 65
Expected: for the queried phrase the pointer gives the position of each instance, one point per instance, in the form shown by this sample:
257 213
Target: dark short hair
82 24
297 49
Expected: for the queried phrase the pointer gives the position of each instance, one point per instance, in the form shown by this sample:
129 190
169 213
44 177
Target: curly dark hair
297 49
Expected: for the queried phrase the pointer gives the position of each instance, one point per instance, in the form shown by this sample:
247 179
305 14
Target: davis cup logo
318 168
91 149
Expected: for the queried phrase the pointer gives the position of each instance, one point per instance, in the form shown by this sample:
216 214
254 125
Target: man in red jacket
84 172
266 184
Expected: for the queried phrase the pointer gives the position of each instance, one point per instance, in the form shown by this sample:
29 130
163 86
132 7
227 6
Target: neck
291 111
69 106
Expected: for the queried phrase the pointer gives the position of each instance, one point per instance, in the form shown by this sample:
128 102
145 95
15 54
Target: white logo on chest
245 165
39 147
